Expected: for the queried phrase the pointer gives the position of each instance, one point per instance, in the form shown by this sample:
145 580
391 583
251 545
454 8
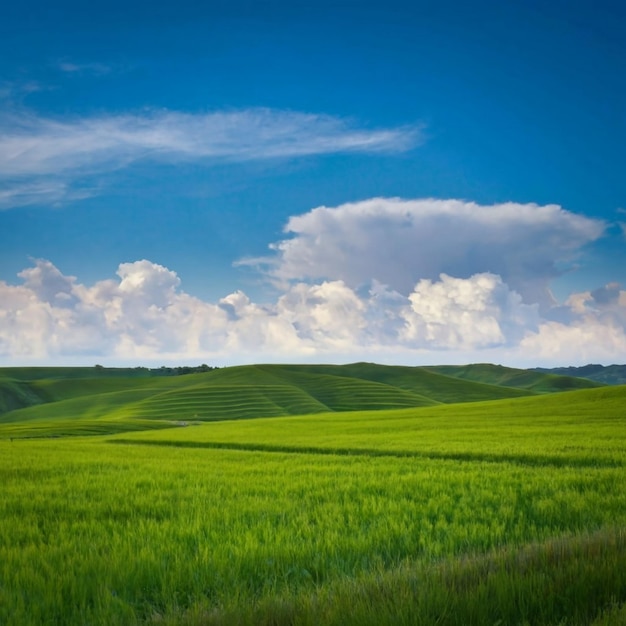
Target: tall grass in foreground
101 534
571 580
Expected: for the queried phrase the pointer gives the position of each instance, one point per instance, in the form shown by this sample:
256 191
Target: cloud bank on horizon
411 281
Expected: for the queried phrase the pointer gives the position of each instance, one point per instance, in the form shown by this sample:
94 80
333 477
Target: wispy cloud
17 90
70 67
620 223
32 146
51 192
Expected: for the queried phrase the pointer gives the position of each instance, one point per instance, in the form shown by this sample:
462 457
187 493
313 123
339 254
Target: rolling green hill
534 430
437 388
532 380
55 401
208 402
16 394
604 374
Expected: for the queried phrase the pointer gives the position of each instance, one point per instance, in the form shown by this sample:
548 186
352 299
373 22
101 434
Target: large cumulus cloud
398 242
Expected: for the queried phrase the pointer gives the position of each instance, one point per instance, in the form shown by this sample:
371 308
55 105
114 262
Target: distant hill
17 394
92 400
605 374
547 381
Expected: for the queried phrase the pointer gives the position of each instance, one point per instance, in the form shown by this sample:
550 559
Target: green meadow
282 495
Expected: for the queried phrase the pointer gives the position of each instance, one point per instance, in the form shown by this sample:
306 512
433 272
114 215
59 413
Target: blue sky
251 181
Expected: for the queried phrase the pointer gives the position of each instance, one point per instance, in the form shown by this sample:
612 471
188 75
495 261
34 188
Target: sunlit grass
120 534
582 428
510 511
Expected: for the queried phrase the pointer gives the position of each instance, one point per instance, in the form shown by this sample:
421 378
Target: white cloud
457 313
254 328
51 192
61 151
48 284
328 315
588 340
593 331
607 303
398 242
17 90
97 69
144 315
51 315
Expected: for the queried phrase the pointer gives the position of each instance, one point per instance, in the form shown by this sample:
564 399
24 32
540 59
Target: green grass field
356 495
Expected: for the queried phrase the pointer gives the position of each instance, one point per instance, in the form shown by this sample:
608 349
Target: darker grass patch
470 457
568 580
